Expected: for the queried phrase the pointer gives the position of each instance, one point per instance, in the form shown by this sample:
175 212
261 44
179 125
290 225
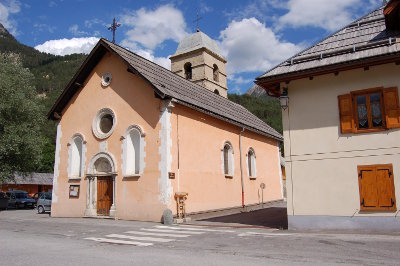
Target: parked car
3 201
20 199
36 197
44 202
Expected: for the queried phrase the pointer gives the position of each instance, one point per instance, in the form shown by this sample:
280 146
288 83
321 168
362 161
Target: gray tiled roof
365 38
192 95
32 179
196 41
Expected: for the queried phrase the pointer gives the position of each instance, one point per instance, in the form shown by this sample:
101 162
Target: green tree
20 119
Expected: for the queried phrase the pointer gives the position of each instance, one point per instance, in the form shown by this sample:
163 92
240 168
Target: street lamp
284 99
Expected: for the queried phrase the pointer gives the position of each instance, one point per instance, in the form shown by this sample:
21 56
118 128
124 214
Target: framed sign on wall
74 191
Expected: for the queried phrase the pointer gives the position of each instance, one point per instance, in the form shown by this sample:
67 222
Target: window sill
229 176
253 177
74 178
134 175
360 131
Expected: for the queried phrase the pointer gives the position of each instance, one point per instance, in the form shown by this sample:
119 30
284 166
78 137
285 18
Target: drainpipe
241 164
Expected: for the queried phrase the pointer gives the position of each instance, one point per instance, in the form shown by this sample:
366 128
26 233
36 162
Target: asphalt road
27 238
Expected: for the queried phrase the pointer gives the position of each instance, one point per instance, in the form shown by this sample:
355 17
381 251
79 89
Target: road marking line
154 234
141 238
171 231
262 234
202 226
192 229
116 241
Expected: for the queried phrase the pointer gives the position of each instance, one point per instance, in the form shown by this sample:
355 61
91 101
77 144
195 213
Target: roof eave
267 82
90 62
196 50
73 82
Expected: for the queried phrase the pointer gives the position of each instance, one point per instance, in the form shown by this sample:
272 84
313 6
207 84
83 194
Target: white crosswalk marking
117 241
155 234
171 231
182 228
154 239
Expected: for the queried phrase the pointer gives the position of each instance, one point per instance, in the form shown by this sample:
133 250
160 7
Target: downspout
241 164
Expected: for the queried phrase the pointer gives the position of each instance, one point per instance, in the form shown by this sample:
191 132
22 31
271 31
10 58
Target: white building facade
341 128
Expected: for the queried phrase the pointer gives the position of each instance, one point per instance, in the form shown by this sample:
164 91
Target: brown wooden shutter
385 185
346 113
368 189
376 186
392 110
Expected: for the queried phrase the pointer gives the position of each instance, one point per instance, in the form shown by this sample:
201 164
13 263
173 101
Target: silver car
44 202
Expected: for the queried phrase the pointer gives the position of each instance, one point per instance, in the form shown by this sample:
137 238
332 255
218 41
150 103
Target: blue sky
254 35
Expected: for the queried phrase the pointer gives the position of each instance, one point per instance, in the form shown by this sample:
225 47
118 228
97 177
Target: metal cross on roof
113 28
197 20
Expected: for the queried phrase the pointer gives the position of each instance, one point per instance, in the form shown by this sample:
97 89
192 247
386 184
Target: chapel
133 137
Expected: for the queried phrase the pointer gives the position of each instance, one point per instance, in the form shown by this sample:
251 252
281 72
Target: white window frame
231 165
139 154
253 173
96 123
72 156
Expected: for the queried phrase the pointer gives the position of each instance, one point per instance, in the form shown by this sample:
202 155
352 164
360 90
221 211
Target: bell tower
198 59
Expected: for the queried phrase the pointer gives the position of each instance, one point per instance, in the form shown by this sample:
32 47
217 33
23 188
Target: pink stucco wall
201 139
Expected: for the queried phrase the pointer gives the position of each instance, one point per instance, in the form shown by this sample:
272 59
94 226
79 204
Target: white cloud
6 9
327 14
250 46
239 79
150 28
148 54
74 29
89 23
44 27
68 46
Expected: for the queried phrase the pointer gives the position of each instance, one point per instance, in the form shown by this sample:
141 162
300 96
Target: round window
106 79
104 123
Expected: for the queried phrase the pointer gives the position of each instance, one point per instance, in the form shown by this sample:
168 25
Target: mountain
257 91
51 72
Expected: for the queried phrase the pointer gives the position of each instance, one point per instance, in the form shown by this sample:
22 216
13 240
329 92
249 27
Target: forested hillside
266 108
52 73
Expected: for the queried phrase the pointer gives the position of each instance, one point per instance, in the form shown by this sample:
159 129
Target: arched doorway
101 186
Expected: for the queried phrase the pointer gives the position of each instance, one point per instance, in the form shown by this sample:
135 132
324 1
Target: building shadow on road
274 217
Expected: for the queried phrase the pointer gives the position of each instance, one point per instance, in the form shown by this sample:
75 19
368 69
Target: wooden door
104 195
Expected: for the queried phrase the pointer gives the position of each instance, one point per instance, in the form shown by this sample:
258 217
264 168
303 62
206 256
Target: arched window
76 156
188 70
216 91
133 163
228 159
251 163
215 73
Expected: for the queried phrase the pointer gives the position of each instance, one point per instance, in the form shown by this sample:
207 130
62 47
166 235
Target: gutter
241 164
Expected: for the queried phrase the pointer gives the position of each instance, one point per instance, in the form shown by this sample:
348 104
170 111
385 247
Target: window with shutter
392 109
376 187
369 110
346 114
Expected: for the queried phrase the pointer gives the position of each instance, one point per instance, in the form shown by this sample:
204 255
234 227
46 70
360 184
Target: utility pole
113 28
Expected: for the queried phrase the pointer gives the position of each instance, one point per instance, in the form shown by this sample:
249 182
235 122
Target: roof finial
113 28
197 21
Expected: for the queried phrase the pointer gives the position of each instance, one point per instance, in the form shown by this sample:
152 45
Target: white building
341 126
